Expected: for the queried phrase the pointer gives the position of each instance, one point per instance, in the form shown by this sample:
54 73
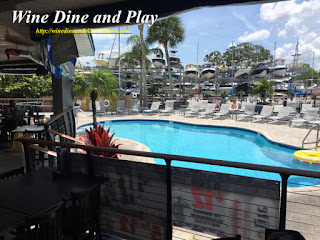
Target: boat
208 88
156 75
223 67
260 71
279 69
103 62
208 71
173 59
158 61
191 71
293 66
243 71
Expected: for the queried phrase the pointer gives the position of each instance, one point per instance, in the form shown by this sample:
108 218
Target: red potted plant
101 138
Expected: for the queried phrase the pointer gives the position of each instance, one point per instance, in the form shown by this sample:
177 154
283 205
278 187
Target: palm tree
170 32
143 72
137 56
263 88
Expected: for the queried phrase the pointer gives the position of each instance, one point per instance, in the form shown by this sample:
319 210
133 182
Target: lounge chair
243 106
276 108
168 107
194 110
134 106
249 111
209 110
153 109
308 117
224 110
203 105
121 107
305 107
265 113
283 115
100 108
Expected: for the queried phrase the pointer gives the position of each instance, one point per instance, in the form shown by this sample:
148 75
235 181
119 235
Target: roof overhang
17 35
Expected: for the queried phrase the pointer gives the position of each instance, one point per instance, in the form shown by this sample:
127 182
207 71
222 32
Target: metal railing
284 173
317 139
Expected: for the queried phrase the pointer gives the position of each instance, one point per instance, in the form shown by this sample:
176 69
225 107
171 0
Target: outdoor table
34 193
9 220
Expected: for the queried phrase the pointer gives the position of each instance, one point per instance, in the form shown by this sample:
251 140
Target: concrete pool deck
303 206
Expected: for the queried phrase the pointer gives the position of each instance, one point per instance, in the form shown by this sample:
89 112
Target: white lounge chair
308 117
168 107
194 110
121 107
209 110
203 105
283 115
305 107
243 106
134 106
224 110
153 109
249 111
100 108
265 113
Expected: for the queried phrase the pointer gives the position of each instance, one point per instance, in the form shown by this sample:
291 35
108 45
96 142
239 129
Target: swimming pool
224 143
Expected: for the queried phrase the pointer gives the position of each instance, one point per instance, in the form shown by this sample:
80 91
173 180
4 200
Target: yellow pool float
307 156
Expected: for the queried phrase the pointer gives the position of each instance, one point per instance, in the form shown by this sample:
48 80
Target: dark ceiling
17 35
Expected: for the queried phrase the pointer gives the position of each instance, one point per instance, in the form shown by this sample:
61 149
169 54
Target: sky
215 28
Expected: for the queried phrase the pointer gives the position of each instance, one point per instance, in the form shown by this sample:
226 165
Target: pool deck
303 206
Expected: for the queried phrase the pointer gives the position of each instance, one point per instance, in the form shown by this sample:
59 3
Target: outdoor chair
153 109
194 109
100 108
83 215
283 115
47 226
12 173
249 111
168 107
121 107
276 108
224 110
203 105
265 113
209 110
309 116
242 106
305 107
134 106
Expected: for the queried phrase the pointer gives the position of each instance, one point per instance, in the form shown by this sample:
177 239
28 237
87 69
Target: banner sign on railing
133 199
224 204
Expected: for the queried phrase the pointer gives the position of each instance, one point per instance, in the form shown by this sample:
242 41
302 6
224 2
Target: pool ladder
317 140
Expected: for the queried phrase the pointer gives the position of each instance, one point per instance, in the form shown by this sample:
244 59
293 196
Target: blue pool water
224 143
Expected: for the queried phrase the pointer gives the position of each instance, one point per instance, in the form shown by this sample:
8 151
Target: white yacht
260 71
101 61
208 71
279 69
192 71
158 61
243 71
173 59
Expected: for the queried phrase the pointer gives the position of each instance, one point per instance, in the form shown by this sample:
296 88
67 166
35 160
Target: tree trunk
169 69
94 96
143 72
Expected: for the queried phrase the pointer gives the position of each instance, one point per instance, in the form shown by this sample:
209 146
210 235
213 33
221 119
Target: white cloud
256 36
295 20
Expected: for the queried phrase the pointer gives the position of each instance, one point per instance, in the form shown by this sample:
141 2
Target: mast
197 67
295 63
274 59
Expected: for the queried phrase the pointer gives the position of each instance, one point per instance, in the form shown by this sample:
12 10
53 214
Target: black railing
285 173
